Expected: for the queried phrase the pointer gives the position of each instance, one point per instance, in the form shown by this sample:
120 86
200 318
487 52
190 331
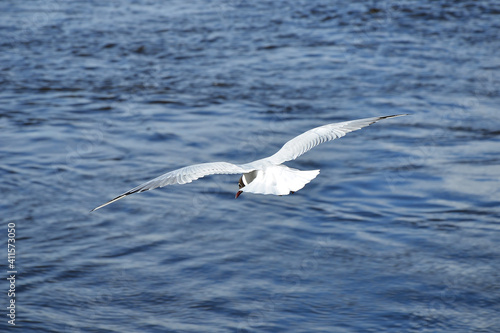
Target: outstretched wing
310 139
182 176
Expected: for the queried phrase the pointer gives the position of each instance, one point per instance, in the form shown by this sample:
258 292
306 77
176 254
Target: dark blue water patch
397 233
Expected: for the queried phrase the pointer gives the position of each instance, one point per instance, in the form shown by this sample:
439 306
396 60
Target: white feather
279 180
272 177
310 139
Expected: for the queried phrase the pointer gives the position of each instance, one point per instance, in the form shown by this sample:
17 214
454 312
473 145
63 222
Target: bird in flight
264 176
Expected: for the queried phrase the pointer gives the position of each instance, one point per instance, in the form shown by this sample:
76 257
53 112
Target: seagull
264 176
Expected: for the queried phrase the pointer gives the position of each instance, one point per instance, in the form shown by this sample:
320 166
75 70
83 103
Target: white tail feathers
279 180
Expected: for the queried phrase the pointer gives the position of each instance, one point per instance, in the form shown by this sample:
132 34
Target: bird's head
246 179
240 186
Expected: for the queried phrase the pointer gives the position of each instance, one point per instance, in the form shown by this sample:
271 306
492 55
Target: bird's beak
238 194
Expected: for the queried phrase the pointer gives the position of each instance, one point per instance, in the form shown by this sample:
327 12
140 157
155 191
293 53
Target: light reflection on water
397 233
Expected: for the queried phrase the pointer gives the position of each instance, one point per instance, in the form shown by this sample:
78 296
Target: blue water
399 232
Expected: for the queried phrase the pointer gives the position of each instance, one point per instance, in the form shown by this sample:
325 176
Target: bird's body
276 179
267 175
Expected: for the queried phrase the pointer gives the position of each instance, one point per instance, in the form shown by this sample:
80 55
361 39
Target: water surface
398 233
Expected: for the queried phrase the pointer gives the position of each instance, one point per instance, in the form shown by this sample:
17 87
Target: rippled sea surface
399 232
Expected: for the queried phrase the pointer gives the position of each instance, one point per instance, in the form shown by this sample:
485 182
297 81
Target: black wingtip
376 119
395 115
109 202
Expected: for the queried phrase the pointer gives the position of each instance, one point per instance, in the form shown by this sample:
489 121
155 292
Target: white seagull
264 176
